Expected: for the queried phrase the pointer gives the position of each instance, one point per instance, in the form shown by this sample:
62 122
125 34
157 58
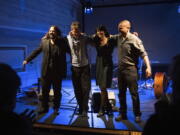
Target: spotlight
178 9
88 9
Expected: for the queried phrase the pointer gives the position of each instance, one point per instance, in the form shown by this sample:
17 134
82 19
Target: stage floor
68 117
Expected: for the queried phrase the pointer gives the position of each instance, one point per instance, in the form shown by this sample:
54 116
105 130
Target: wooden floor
67 119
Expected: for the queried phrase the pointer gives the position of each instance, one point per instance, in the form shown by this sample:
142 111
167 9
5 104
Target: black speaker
96 101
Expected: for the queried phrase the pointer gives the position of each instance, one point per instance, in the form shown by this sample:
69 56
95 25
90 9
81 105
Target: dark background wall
157 25
24 22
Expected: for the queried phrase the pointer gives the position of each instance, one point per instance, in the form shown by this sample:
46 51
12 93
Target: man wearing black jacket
53 69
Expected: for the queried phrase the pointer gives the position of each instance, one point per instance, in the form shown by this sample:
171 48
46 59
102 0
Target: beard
52 36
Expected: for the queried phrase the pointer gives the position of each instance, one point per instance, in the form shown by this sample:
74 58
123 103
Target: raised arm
33 55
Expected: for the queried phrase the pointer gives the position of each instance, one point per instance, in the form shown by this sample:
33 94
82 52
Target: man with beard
53 67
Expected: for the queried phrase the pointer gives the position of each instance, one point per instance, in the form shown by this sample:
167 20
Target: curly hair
58 31
103 28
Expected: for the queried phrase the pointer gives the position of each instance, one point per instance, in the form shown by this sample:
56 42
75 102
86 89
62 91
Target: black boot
43 110
109 110
103 102
121 117
56 111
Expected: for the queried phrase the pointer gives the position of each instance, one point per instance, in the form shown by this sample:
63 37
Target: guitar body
160 84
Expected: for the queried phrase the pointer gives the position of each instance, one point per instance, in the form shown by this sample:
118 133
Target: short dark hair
76 25
103 28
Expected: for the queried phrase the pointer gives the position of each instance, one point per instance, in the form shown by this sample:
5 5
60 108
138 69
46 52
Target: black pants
127 78
56 83
82 85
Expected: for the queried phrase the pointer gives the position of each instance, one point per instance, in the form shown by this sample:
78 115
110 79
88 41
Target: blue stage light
178 9
88 9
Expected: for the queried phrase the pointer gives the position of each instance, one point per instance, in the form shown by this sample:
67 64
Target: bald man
130 48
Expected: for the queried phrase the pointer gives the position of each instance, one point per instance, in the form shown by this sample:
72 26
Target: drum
160 84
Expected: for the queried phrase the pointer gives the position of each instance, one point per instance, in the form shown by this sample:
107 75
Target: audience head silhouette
175 77
11 122
9 84
164 120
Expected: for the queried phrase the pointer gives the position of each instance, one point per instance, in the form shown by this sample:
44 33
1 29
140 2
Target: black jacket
60 66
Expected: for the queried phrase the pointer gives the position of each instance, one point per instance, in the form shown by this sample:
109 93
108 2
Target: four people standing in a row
130 47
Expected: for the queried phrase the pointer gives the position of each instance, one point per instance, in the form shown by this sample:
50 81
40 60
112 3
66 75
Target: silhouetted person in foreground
167 113
11 122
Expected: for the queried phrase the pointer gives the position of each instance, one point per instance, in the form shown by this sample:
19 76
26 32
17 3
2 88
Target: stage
68 122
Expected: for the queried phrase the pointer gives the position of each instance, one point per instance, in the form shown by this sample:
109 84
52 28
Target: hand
94 35
136 34
110 36
70 33
148 72
25 62
28 115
